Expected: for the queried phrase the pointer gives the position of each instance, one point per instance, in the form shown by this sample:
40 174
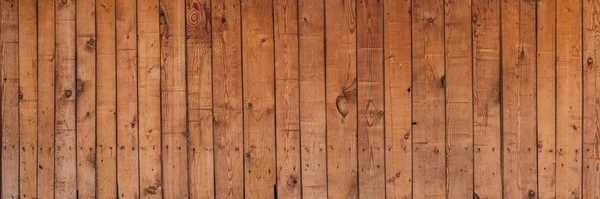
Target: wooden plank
173 96
228 116
287 96
149 99
127 104
199 96
519 98
546 98
371 160
591 92
86 98
9 97
65 123
28 98
258 89
311 47
569 105
106 104
341 85
486 99
459 98
45 125
428 100
398 108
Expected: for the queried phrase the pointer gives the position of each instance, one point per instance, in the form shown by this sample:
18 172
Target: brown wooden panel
311 47
459 98
287 95
486 99
341 96
398 108
569 105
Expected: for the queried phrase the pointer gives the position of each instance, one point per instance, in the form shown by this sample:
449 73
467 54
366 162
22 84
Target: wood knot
292 180
247 154
531 193
263 40
590 61
223 20
406 136
91 43
443 80
20 95
68 93
250 105
430 20
474 18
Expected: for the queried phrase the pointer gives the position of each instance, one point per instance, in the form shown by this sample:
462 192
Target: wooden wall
300 99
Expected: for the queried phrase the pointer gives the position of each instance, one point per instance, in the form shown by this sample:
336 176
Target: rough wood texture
591 99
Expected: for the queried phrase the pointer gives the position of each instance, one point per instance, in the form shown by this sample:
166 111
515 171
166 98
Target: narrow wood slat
341 98
228 116
398 104
519 98
127 100
200 113
591 92
173 96
569 105
371 160
86 98
259 100
287 97
428 104
459 98
311 47
486 99
65 95
106 100
27 98
149 99
45 98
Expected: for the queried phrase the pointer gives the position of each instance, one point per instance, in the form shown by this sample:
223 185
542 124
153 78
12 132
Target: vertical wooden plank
569 105
27 98
86 98
371 160
459 98
311 47
428 104
591 92
259 109
9 96
149 99
127 104
45 125
546 98
199 96
486 99
173 96
398 108
228 116
519 98
65 132
106 96
287 97
341 85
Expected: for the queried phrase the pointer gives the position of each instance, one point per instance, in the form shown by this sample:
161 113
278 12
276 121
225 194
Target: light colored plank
546 98
486 99
398 108
228 116
287 99
569 105
149 99
127 104
311 43
258 87
86 98
106 104
371 160
46 65
199 96
173 96
519 98
65 95
429 168
341 96
28 98
459 98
